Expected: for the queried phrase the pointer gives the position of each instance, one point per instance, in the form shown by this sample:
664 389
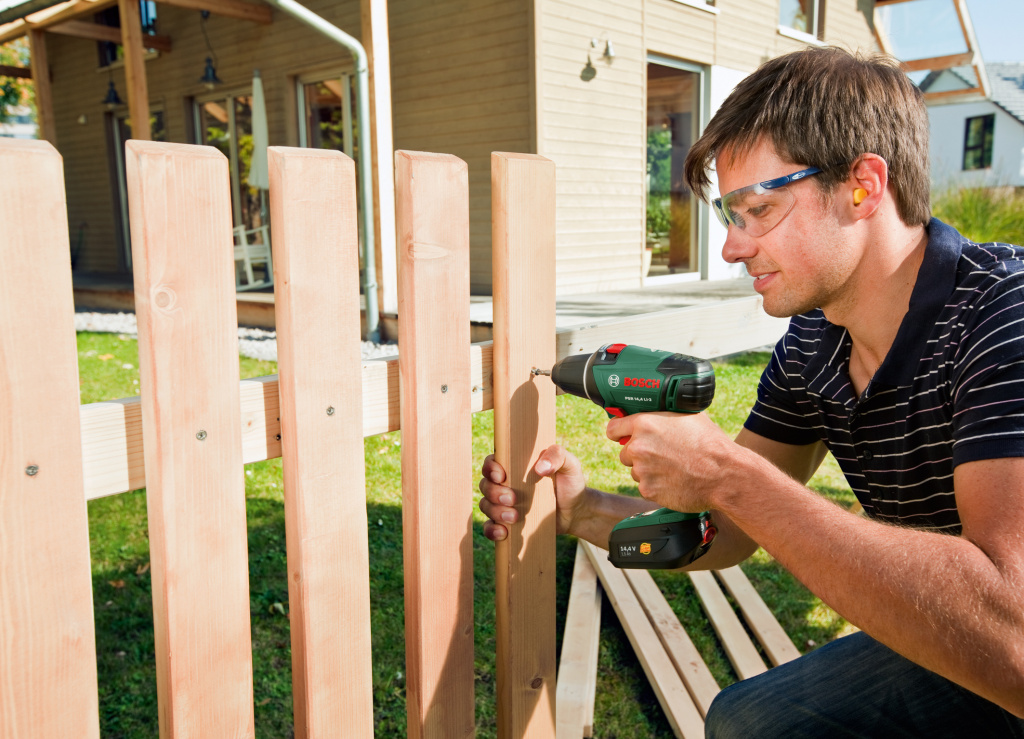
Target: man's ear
865 187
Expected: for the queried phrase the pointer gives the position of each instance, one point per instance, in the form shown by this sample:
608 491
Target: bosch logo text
654 384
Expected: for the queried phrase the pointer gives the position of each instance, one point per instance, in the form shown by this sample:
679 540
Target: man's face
803 262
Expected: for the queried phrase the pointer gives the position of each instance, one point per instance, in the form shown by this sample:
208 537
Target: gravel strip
252 342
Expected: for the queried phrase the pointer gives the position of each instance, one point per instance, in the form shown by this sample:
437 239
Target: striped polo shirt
950 390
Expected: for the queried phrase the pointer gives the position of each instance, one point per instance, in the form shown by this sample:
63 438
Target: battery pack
661 539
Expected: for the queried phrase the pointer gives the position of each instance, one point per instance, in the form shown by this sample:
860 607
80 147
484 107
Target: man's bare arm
953 604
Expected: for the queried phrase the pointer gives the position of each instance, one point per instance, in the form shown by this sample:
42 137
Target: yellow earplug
858 195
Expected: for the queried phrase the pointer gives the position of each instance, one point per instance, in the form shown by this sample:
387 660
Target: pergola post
135 69
44 92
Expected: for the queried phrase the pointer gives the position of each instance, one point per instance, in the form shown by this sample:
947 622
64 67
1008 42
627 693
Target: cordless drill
625 379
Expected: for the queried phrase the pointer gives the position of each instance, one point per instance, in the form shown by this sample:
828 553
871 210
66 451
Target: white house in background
981 142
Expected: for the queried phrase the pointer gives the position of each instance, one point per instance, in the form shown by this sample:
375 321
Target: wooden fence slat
48 685
180 207
577 671
595 653
432 196
523 243
679 708
738 647
316 268
684 655
775 641
113 436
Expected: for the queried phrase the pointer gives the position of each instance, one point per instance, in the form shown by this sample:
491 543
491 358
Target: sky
999 28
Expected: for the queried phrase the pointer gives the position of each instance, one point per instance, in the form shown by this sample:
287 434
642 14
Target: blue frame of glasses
723 214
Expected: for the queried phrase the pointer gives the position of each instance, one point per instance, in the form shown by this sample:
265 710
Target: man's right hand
498 501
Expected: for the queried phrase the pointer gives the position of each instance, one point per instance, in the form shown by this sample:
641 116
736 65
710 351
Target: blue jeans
854 687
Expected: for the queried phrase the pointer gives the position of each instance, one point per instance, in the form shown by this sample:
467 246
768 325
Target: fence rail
201 424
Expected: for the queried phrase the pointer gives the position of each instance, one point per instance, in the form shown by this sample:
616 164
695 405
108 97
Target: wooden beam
972 45
195 491
44 90
47 637
938 62
523 242
21 72
112 430
577 671
675 701
135 69
971 93
437 478
51 16
378 49
773 638
97 32
689 664
237 9
316 276
738 647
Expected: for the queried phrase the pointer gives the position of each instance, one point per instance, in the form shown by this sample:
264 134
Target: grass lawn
626 705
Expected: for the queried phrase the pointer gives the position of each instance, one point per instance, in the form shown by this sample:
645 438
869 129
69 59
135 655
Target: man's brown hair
824 107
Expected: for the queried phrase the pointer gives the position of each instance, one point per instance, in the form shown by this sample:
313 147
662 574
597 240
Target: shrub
983 214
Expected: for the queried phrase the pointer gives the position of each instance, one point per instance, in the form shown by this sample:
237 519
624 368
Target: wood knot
537 682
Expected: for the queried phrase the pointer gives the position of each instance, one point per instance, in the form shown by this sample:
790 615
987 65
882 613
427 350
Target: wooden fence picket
48 685
180 209
523 242
432 197
315 237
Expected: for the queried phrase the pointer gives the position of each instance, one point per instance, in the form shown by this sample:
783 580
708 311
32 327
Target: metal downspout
334 33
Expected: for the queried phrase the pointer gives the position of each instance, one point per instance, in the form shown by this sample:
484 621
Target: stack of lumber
681 681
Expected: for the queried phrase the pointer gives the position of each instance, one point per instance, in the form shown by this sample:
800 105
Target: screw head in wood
201 435
330 410
32 470
444 388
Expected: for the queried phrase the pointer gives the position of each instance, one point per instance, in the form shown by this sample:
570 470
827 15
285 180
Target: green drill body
625 379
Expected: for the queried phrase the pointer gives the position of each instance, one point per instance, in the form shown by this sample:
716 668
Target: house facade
978 143
613 91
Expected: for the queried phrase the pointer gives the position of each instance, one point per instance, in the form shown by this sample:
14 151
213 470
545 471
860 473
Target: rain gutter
369 276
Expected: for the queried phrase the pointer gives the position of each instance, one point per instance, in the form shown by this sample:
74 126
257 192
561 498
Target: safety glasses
757 209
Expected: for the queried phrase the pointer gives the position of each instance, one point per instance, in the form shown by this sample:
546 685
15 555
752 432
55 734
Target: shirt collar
936 280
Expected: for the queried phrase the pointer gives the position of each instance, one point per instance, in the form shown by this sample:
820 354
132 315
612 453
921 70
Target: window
225 123
326 107
978 135
674 115
800 15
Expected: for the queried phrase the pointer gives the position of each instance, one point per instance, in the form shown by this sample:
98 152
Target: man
905 358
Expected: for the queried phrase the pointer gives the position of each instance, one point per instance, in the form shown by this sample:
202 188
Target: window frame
816 25
703 112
